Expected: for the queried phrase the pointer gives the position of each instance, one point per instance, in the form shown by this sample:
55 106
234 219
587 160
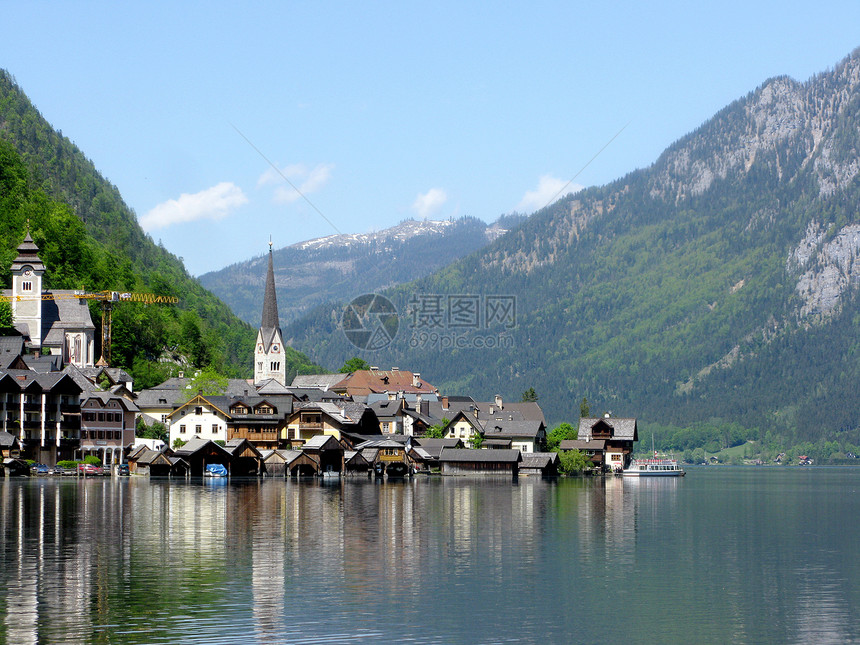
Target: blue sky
379 112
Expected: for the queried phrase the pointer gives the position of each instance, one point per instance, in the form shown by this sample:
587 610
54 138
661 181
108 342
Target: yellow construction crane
108 299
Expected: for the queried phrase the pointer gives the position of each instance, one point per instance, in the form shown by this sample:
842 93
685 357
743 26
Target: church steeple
270 298
269 354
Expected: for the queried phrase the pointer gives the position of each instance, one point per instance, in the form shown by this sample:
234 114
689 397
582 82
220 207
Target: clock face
28 272
260 347
274 348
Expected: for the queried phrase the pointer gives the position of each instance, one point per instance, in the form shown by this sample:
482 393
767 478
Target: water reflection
431 560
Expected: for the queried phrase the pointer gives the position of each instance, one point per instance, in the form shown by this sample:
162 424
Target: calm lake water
724 555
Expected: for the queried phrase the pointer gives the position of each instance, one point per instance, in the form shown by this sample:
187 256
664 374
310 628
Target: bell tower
27 270
269 351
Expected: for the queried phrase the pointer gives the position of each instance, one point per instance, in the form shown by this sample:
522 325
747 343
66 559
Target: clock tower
269 354
27 270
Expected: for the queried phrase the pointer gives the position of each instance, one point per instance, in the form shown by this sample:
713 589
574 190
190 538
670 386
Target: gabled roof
105 397
236 447
317 381
467 416
322 442
620 428
465 456
540 460
364 382
197 444
7 439
271 386
219 403
513 429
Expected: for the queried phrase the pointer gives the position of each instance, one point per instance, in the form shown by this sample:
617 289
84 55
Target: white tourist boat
657 467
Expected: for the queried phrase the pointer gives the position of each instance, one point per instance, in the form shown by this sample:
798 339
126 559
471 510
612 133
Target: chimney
416 380
499 401
395 369
444 402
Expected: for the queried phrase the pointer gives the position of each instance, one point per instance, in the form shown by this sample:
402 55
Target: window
26 286
275 365
198 410
181 429
198 429
215 428
164 418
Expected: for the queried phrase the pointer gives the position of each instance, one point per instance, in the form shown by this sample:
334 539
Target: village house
311 419
607 441
523 435
480 462
107 426
261 420
199 418
43 411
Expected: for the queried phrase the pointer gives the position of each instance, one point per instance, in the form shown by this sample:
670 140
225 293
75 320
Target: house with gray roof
618 434
43 411
480 462
334 418
523 435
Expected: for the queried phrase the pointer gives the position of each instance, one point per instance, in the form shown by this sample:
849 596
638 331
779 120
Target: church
269 353
55 323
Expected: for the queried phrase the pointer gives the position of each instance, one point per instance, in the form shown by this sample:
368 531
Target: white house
201 417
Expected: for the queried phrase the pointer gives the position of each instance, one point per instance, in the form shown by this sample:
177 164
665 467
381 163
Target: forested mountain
90 239
713 291
347 265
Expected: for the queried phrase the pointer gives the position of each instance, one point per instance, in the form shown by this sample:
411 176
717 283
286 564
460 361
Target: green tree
530 396
155 431
5 314
572 462
207 382
354 364
584 409
437 431
558 434
477 440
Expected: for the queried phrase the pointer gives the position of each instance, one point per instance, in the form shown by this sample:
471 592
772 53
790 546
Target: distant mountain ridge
342 266
717 285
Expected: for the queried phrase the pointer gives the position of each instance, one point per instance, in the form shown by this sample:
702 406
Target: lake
724 555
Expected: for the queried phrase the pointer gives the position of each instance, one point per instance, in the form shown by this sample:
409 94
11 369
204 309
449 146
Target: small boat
657 467
215 470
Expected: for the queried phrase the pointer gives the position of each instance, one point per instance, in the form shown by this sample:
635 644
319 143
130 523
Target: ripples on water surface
724 555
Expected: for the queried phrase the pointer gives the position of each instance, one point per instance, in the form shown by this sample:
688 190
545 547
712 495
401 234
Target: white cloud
547 191
306 180
427 204
213 203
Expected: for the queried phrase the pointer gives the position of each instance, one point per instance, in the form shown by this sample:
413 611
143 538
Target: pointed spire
270 300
